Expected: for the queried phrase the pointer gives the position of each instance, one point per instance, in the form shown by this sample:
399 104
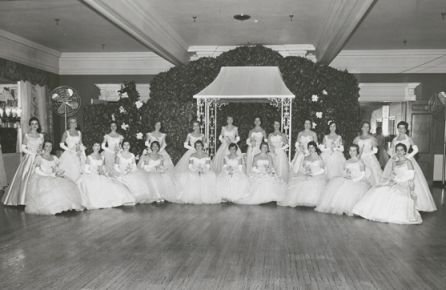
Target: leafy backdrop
322 94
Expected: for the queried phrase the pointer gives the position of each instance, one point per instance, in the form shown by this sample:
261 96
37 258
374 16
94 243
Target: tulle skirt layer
219 158
71 163
296 163
182 165
163 187
390 203
49 195
98 191
19 186
110 159
373 169
168 164
341 195
304 191
252 151
264 188
334 163
233 188
281 164
139 186
3 179
198 188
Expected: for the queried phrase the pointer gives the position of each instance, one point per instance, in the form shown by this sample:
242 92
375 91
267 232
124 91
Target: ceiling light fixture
291 17
195 18
241 17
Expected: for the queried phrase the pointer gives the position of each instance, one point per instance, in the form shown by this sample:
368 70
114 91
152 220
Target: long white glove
323 148
24 149
237 139
414 151
340 148
187 146
285 146
65 147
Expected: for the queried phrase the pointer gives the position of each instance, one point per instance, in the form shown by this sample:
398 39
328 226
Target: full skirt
198 188
334 163
17 190
219 158
304 191
110 160
372 168
264 188
281 164
71 163
139 186
233 188
163 187
3 179
182 166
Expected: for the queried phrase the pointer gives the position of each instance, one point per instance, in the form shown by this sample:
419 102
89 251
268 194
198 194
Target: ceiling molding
392 61
344 17
139 20
112 63
387 92
24 51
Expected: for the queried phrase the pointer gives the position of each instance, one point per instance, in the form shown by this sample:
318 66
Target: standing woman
256 137
306 188
332 153
278 143
183 164
383 157
367 148
425 202
303 138
73 158
32 145
111 146
3 179
228 135
159 137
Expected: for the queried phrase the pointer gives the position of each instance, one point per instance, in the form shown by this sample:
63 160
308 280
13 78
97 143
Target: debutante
306 188
256 136
49 192
393 200
73 158
111 146
32 146
157 136
278 143
303 138
228 135
342 193
332 153
183 164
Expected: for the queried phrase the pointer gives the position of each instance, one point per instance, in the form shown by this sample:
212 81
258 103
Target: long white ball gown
98 190
232 182
301 146
306 188
3 179
50 194
342 193
333 156
280 158
160 182
168 164
197 184
19 185
265 185
390 202
253 148
134 179
368 150
182 165
111 146
425 201
226 137
73 158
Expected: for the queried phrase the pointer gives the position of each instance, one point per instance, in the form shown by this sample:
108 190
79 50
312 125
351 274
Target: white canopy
245 83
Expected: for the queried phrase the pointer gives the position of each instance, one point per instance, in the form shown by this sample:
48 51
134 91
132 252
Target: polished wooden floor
218 247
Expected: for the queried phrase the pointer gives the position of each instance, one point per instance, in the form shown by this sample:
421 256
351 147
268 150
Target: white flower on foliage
324 92
70 92
314 125
124 126
139 104
319 115
314 98
113 117
139 136
122 110
124 95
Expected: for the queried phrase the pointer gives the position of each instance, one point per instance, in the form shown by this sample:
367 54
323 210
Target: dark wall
85 85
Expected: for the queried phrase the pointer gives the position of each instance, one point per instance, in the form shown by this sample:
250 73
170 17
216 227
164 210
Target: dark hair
258 117
156 122
39 129
264 143
356 147
331 123
312 143
379 130
126 141
403 123
197 142
365 122
155 143
68 124
402 146
113 122
233 145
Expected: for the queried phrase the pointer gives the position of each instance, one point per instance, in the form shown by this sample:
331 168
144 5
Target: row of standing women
322 180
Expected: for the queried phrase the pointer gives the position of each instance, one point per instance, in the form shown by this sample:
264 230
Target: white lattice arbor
245 84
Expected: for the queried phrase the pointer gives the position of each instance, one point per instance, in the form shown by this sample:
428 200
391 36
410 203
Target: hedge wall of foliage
322 94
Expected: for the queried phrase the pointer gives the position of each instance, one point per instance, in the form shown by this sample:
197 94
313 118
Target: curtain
25 103
41 105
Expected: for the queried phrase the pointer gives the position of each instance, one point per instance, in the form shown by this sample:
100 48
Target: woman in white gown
3 179
332 153
394 200
49 192
73 158
278 143
228 135
32 146
256 136
303 138
97 189
367 148
183 164
160 182
232 182
159 137
111 146
197 184
265 185
425 202
342 193
133 178
306 188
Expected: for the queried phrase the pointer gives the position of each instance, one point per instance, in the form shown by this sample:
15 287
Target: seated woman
265 185
342 193
394 199
49 193
232 182
197 184
306 188
159 180
97 189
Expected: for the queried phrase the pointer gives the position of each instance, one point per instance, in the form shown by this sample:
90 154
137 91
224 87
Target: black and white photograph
222 144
